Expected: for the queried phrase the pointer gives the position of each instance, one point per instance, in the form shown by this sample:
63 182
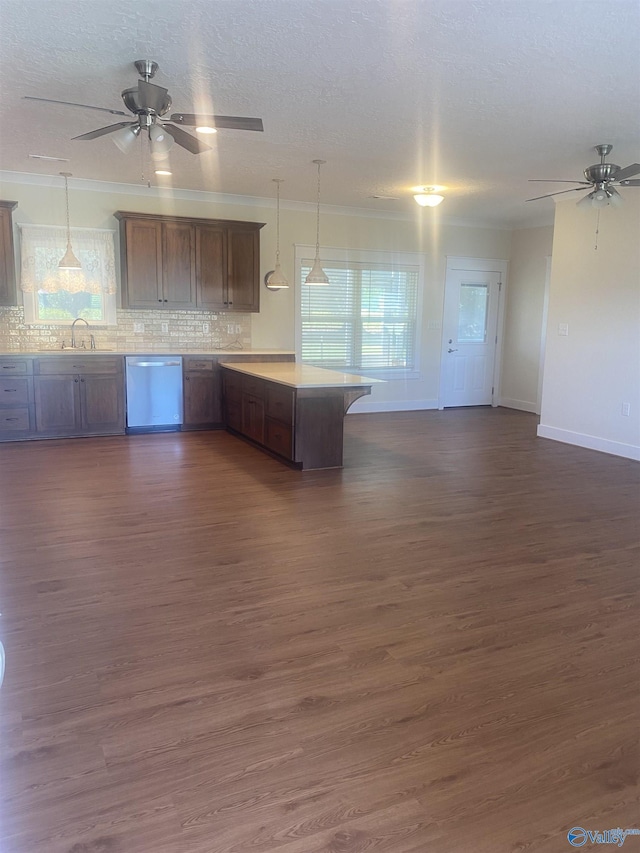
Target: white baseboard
592 442
362 406
522 405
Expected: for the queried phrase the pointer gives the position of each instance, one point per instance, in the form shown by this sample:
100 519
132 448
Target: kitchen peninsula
293 410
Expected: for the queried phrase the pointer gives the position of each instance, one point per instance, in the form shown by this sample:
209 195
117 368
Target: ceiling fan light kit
69 260
602 178
275 280
317 275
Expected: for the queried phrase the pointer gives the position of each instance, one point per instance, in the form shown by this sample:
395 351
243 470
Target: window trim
364 256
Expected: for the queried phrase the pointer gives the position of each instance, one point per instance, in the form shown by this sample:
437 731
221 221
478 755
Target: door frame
456 263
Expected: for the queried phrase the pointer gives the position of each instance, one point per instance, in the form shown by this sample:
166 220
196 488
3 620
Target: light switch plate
563 329
138 327
165 328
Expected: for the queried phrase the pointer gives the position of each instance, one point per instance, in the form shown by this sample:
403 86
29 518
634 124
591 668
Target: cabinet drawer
15 367
199 364
14 392
278 437
280 403
79 364
253 386
14 420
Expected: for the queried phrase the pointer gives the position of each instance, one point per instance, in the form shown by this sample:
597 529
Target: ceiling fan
149 104
604 178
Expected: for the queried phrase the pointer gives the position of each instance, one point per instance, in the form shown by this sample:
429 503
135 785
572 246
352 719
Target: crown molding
205 196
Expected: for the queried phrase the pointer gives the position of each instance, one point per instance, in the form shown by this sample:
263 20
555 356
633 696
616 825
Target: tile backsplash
136 331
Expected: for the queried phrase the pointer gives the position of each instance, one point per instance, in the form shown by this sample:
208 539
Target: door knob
452 350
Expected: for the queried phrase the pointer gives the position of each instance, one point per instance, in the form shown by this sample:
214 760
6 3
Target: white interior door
471 306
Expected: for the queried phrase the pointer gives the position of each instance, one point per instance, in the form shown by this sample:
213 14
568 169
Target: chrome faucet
73 333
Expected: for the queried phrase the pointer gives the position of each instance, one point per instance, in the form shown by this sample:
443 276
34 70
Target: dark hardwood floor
433 649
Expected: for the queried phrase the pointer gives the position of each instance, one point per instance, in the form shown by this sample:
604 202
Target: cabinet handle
187 378
78 366
165 300
82 380
230 302
8 366
11 419
7 390
159 300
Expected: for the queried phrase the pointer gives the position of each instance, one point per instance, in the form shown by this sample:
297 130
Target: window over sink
52 295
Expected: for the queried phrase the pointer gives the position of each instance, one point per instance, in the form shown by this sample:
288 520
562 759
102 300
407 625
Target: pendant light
317 275
69 261
275 279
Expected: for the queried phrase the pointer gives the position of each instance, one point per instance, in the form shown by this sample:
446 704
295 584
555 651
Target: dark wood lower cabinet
302 425
16 399
70 403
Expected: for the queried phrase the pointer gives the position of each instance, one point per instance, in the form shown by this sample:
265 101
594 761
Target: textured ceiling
476 95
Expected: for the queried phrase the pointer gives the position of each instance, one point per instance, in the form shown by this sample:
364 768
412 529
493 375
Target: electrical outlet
626 410
238 330
206 328
138 327
230 329
165 328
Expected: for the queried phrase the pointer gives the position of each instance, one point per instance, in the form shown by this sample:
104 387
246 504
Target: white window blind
364 319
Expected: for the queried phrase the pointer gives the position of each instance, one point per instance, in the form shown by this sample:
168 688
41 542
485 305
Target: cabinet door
253 417
7 261
211 268
202 404
58 404
102 403
178 265
243 269
142 264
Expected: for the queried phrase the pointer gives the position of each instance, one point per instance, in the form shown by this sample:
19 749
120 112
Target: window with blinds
364 319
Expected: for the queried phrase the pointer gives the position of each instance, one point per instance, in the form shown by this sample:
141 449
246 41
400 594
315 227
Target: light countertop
149 351
301 375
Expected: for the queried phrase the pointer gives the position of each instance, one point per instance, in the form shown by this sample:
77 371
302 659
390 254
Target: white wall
92 205
592 371
530 248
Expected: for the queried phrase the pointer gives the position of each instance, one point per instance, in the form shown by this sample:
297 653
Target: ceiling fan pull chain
595 248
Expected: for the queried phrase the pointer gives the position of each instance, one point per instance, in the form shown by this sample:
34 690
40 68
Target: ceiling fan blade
224 122
635 183
152 97
102 131
548 195
556 181
627 172
186 140
72 104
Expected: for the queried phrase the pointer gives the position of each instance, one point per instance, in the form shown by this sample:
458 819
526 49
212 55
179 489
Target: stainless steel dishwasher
154 393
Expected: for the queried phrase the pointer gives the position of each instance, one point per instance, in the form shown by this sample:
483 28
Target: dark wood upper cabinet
8 294
181 262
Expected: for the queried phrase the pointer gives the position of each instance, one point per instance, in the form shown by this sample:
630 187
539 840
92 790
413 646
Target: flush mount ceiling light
69 260
317 275
275 279
428 196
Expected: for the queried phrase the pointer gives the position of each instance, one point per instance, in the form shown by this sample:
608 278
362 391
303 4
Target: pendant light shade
275 280
317 274
69 260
